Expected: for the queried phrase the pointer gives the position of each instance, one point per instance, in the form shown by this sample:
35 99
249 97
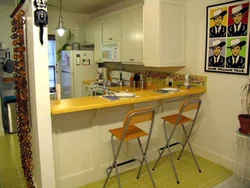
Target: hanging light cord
60 8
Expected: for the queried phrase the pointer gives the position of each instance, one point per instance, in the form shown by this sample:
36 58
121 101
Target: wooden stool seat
173 119
132 133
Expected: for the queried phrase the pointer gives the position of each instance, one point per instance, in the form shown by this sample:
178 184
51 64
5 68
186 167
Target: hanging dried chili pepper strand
20 80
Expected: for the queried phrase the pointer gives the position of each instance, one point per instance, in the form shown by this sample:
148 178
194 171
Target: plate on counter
125 95
170 89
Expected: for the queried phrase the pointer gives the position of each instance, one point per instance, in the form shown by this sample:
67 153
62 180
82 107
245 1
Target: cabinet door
98 42
82 37
112 28
86 90
127 36
90 33
164 36
138 35
132 36
173 32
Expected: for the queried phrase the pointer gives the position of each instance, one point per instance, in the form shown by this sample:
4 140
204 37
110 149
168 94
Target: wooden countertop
89 103
88 81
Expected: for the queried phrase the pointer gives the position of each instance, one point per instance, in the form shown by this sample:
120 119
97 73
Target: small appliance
111 52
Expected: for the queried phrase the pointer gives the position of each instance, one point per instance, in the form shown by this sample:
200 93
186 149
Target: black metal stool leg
187 141
169 151
114 163
160 154
146 163
184 145
139 172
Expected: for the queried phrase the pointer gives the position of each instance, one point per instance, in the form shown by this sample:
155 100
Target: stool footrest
123 163
176 143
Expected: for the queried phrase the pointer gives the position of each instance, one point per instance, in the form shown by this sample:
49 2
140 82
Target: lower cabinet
52 96
86 92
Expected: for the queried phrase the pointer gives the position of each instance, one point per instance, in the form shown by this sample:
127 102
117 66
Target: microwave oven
111 52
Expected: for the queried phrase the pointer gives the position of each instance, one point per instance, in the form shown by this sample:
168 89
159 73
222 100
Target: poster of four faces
227 40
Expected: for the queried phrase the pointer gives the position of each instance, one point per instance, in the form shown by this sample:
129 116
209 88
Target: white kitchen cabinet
112 28
132 36
164 33
52 96
86 90
98 42
88 33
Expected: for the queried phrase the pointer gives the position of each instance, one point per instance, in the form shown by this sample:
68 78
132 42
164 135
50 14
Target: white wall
214 136
42 144
5 34
70 20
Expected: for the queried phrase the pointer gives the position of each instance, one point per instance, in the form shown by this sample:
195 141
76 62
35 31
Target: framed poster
227 38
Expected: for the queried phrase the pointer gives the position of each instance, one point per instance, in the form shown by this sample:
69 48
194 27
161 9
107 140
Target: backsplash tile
158 78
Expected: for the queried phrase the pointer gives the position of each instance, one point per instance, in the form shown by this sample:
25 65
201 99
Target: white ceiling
81 6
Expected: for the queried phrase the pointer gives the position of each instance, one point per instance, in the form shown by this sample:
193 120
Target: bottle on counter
142 81
120 81
137 79
131 80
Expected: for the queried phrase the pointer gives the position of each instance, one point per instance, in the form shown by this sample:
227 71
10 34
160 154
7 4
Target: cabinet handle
110 38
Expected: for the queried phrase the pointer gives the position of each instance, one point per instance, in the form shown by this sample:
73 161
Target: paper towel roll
58 91
105 73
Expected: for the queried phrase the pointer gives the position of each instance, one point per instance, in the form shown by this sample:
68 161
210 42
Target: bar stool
128 132
179 119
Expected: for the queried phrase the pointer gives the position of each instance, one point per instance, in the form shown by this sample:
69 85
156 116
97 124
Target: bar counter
81 137
97 102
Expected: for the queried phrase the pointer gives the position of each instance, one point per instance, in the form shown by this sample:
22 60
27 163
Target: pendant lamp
60 29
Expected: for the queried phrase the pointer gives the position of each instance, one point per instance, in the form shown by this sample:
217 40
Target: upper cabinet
132 36
112 28
164 33
98 41
88 33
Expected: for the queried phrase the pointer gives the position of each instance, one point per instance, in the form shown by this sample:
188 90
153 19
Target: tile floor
233 183
11 174
212 174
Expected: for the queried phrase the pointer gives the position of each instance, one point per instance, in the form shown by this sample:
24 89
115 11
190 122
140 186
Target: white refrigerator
76 66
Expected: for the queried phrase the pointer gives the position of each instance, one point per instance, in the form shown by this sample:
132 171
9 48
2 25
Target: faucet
106 84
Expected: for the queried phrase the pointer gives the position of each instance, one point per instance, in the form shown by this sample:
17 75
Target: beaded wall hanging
21 87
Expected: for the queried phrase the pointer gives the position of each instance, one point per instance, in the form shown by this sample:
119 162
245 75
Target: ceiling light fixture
60 29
